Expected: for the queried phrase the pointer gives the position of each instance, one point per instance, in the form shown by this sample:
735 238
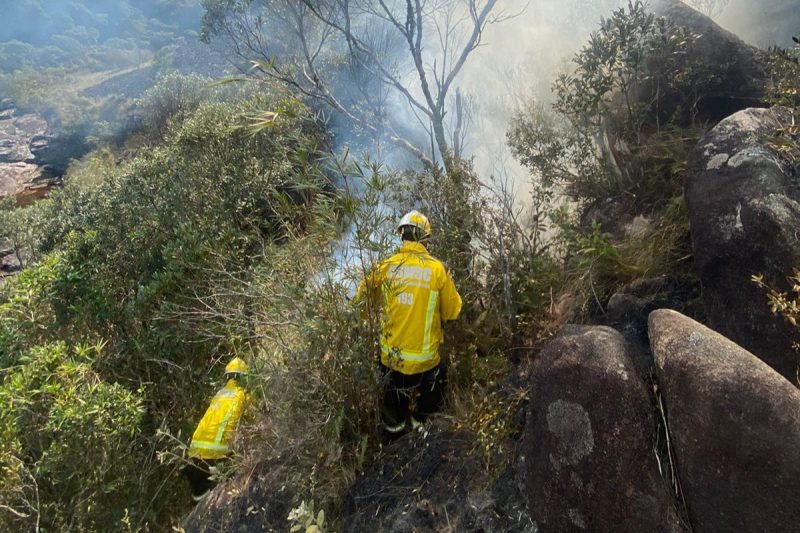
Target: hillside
625 358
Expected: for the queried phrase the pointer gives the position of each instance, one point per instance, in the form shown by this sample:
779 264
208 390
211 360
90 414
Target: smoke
763 23
519 61
522 56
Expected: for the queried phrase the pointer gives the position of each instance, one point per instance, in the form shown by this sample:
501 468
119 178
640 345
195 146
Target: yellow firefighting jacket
418 294
214 433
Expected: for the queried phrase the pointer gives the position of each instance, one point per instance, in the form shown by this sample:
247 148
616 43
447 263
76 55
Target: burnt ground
256 500
435 482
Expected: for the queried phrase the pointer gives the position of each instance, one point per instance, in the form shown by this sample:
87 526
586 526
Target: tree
356 55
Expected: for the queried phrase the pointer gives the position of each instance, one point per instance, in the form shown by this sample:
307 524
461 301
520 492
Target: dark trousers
417 395
198 472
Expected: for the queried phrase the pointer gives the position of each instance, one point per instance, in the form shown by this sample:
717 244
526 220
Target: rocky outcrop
743 194
629 307
735 73
16 133
21 174
9 262
735 427
588 447
26 182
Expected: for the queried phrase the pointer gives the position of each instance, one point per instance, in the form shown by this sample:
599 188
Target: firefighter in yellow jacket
213 436
416 295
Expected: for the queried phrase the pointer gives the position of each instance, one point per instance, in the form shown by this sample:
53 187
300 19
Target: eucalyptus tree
360 57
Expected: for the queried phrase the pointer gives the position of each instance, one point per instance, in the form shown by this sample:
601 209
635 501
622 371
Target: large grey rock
735 72
628 308
735 426
9 262
588 447
743 196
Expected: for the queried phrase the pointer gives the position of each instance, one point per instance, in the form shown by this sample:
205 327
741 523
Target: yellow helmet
236 366
417 220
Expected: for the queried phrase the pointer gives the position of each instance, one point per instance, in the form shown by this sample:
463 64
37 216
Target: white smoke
763 23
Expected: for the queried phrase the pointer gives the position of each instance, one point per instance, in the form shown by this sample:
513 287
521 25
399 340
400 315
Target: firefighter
417 296
212 439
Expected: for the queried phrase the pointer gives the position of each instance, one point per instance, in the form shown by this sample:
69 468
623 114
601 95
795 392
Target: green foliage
785 87
69 442
785 304
618 101
598 263
304 519
128 259
559 153
785 91
171 100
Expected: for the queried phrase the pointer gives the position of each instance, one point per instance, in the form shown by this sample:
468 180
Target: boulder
588 447
736 73
9 262
743 195
628 308
735 427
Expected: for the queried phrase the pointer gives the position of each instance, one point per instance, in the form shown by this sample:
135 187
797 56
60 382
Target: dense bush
615 145
609 113
70 443
124 261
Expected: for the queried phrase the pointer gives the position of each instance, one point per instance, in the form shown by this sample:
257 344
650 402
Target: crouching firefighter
415 294
212 439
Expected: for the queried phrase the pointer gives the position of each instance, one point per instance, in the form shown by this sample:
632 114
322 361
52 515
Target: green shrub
615 112
127 260
70 443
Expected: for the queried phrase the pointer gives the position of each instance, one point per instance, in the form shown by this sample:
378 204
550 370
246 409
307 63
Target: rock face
25 181
737 72
735 426
588 450
743 196
20 174
15 136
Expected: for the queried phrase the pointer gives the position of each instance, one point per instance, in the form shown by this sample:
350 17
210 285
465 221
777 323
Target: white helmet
415 219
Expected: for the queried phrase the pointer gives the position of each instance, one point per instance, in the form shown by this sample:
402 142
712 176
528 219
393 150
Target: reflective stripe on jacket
214 433
418 295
